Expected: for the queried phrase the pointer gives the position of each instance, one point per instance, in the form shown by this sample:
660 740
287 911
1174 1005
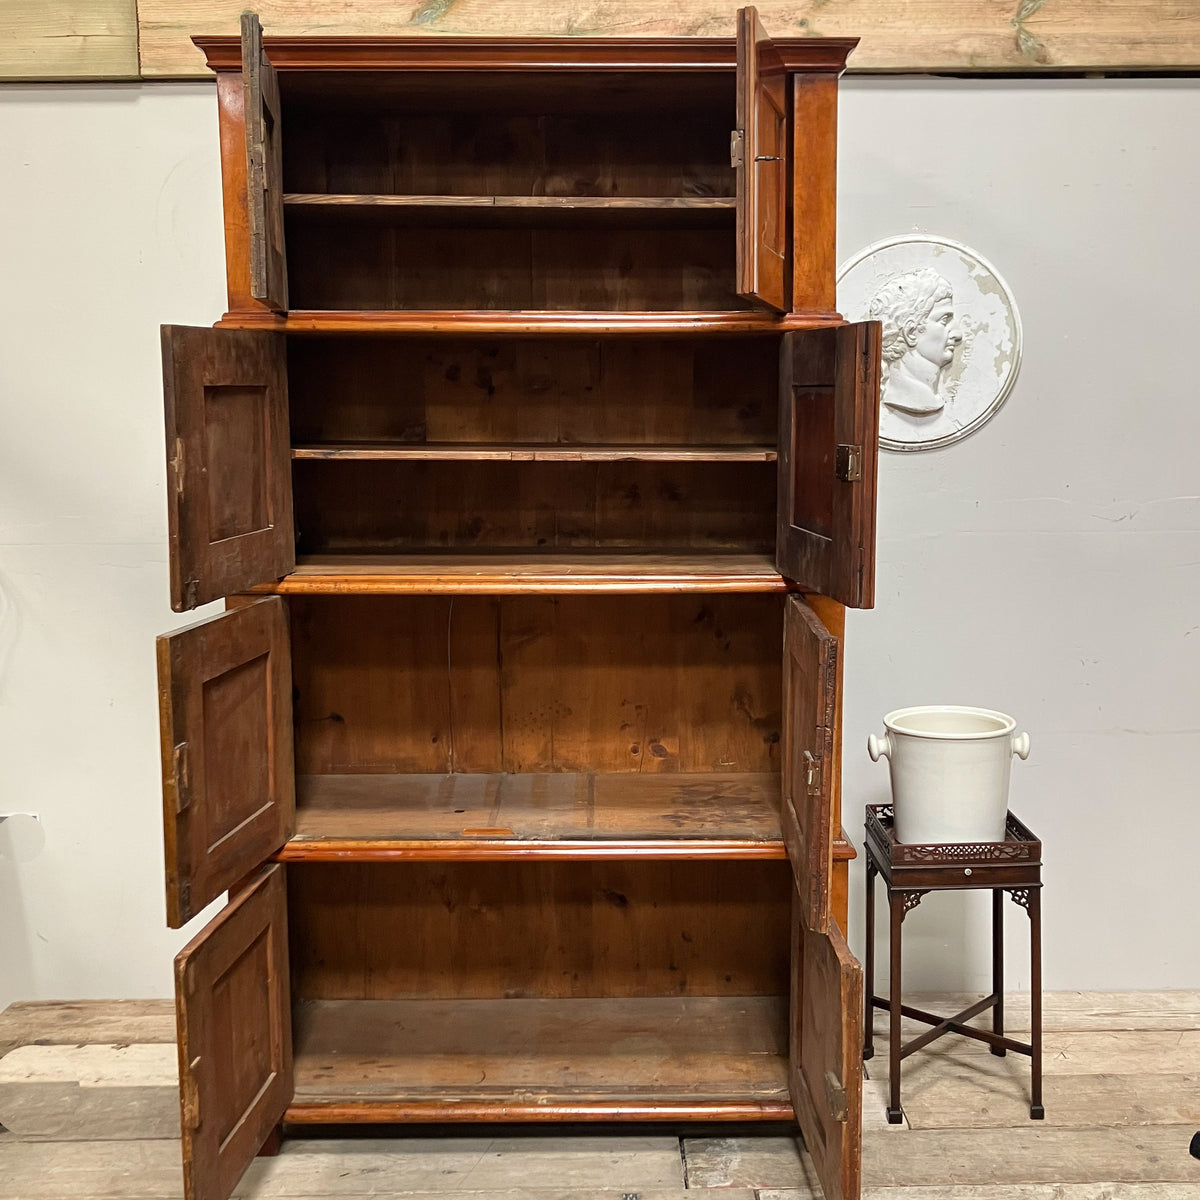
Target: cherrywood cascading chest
536 469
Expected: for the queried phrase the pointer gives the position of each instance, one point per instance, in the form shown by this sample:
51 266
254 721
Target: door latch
812 772
848 463
835 1096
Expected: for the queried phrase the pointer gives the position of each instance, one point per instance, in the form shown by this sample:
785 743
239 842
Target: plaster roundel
951 337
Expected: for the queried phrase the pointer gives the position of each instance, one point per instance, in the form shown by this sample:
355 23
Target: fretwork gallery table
910 871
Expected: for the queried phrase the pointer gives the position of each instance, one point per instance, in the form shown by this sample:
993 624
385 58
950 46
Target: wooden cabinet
537 468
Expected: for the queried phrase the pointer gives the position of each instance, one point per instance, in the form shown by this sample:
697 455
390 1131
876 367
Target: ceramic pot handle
877 747
1020 745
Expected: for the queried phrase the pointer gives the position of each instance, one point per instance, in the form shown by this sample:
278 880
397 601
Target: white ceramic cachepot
950 769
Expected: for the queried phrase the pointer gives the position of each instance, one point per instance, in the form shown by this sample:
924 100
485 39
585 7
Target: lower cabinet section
516 991
587 1059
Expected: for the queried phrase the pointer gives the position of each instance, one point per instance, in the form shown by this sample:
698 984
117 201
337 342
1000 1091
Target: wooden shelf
531 452
553 816
500 323
661 203
503 572
662 1058
582 212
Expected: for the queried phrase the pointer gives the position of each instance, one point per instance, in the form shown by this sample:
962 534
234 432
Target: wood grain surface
499 1057
99 39
924 35
515 572
534 929
563 815
650 685
68 39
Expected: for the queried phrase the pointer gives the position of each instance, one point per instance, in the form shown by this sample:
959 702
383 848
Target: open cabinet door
810 673
828 459
759 150
229 467
225 715
264 169
825 1068
233 1010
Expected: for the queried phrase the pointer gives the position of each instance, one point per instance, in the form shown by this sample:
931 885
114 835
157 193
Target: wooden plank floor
1122 1102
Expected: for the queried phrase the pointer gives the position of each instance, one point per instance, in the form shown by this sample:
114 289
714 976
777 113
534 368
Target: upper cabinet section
426 175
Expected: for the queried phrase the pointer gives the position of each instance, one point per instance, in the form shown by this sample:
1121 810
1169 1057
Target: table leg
895 1114
998 967
869 970
1036 1110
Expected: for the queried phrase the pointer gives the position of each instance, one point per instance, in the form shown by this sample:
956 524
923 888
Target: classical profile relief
951 337
919 339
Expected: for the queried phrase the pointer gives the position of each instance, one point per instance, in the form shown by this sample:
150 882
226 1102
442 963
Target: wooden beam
68 39
960 36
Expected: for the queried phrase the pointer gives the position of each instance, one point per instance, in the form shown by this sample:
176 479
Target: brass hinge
848 463
737 148
181 769
835 1096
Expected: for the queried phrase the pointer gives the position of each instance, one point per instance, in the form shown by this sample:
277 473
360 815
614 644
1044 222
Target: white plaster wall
110 223
1049 566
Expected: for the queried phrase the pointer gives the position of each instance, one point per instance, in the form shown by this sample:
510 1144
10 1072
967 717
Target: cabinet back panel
537 683
561 390
346 264
384 507
510 134
427 930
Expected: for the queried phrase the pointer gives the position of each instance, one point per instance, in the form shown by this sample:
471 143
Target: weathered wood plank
72 1022
1095 1052
1008 1191
97 1170
924 1158
68 39
90 1093
571 1168
922 35
994 1093
724 1162
486 1166
1075 1011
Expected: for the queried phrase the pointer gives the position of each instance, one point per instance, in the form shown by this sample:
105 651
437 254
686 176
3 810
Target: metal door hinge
835 1096
737 148
848 463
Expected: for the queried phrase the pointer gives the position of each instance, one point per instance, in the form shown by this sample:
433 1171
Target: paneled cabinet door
225 711
810 680
233 1008
229 469
825 1068
264 169
760 149
828 457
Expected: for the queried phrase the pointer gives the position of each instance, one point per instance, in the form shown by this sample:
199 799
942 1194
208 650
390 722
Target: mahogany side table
910 871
